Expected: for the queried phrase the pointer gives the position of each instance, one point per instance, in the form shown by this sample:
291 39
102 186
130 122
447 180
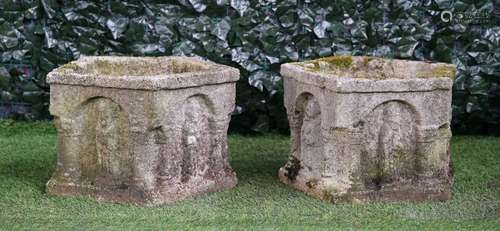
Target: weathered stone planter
369 129
142 130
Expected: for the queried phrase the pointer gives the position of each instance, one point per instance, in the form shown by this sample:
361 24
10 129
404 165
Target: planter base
419 192
125 194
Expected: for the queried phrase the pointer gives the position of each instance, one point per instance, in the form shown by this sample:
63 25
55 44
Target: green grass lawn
259 201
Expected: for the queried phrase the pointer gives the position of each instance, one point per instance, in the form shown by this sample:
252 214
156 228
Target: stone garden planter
369 129
142 130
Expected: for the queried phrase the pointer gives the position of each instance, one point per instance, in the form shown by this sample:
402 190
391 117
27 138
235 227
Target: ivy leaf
222 2
479 86
320 29
184 48
48 7
117 25
240 5
256 80
8 37
407 47
221 29
198 5
50 41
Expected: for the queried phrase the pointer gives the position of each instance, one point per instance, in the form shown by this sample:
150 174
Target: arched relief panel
104 155
308 136
390 147
375 102
197 137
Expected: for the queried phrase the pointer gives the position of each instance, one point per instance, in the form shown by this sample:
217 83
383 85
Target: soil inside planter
367 67
134 67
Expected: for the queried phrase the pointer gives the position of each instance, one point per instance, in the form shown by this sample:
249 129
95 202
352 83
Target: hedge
36 36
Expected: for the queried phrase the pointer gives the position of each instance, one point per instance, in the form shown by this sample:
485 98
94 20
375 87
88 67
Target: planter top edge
373 68
371 74
146 73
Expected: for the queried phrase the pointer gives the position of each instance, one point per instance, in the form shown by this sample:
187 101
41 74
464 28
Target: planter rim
86 72
405 75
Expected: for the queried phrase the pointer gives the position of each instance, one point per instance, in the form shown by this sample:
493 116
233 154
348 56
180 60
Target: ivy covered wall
256 36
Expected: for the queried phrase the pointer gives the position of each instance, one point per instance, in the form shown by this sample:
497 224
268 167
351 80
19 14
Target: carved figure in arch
310 136
105 157
196 134
390 150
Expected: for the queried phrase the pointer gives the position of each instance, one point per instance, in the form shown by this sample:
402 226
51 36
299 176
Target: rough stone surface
141 130
364 131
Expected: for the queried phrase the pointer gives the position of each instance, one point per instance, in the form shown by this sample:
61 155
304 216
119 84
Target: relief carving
390 150
105 157
196 138
311 142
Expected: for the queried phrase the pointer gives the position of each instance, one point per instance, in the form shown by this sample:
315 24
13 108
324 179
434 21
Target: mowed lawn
258 202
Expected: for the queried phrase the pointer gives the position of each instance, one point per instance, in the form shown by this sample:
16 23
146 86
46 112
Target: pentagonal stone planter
143 130
369 129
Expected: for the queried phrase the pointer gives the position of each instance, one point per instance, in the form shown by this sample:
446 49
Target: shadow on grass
265 174
35 166
34 172
258 159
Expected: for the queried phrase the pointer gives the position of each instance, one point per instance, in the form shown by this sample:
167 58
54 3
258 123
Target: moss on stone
183 66
367 59
440 71
292 168
71 66
375 68
326 196
106 67
138 67
312 183
340 62
329 194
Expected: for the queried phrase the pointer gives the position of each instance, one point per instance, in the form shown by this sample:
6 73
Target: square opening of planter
142 130
369 129
118 66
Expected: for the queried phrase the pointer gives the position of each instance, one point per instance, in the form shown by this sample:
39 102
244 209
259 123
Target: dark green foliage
256 36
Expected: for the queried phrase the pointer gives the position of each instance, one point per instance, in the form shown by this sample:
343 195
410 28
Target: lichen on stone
375 68
182 67
105 67
329 63
312 183
138 67
439 71
329 194
292 168
71 66
367 59
342 61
